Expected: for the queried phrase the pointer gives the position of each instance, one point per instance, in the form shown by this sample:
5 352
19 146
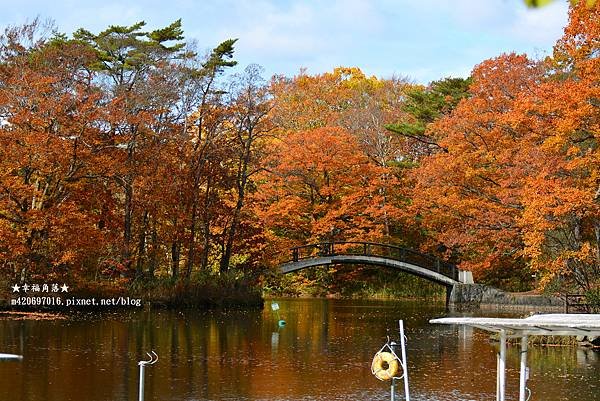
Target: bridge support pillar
465 277
449 289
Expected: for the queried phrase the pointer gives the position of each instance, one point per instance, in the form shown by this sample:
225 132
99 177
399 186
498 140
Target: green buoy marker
275 308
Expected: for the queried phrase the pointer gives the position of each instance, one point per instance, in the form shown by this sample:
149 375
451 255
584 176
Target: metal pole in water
393 391
502 367
13 357
524 370
141 389
142 364
404 361
497 377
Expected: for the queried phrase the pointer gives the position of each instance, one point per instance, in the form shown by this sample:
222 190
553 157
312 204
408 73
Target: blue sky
424 40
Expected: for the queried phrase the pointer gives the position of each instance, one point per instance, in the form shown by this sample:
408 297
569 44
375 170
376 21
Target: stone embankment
481 296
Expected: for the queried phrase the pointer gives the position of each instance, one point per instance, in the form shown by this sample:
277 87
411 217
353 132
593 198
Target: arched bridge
370 253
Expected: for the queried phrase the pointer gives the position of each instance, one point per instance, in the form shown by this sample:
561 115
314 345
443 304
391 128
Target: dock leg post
502 368
497 377
524 370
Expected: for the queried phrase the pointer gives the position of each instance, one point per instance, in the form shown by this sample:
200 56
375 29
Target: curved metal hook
153 359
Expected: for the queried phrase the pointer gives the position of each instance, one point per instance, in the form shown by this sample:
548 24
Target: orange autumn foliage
322 187
48 216
468 196
179 174
519 184
561 219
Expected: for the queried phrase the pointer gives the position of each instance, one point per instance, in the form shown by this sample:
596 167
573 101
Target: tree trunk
206 237
386 220
192 242
175 251
242 181
152 263
127 222
142 246
597 235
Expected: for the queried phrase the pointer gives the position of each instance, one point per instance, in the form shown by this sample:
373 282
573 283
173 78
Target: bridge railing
378 250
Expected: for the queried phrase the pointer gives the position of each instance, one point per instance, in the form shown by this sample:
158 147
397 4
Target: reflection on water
323 353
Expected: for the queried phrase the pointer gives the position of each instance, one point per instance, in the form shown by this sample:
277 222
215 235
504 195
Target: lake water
323 353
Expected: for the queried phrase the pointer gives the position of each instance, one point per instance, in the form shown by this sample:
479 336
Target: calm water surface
323 353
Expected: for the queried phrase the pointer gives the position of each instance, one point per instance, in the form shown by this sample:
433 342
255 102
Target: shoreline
511 303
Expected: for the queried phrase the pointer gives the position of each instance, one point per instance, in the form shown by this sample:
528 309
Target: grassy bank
221 292
202 292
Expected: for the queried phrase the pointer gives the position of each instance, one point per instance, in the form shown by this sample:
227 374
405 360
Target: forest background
131 163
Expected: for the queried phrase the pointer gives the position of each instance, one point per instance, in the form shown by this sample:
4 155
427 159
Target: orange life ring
378 366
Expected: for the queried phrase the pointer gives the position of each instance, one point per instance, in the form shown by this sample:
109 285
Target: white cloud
466 14
540 26
280 32
426 39
479 14
355 16
312 34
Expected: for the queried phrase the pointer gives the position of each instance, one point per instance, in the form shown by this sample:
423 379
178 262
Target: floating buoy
275 307
384 366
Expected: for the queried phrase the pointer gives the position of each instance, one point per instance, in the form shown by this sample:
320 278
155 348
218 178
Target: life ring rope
394 364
